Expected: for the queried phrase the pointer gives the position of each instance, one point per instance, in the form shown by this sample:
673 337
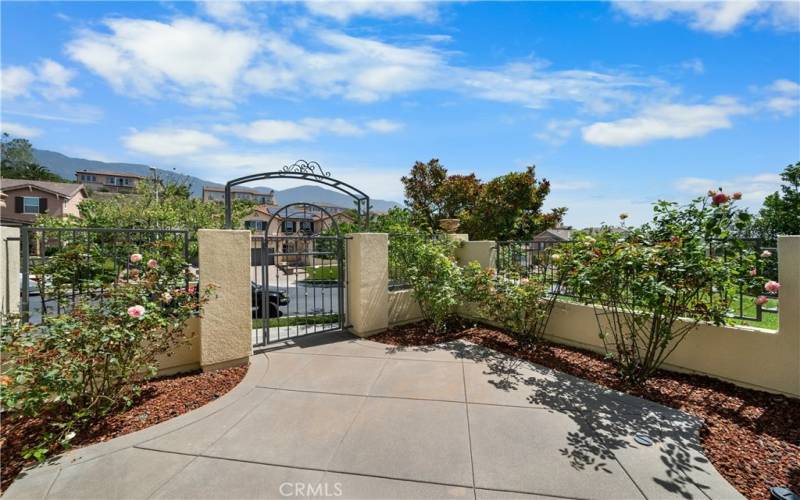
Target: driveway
335 416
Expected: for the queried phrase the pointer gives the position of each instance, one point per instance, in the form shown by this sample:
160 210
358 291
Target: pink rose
737 195
136 311
761 300
720 198
192 289
152 263
754 272
772 286
766 254
136 257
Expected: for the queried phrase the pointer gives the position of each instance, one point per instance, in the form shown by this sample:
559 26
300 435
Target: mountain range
66 167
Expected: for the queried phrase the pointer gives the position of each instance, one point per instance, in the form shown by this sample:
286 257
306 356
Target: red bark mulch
161 399
752 437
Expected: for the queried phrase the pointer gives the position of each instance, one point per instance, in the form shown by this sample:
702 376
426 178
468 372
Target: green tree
423 187
17 162
160 205
509 207
781 211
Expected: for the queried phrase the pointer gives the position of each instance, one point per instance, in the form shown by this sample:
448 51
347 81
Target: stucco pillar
9 270
368 283
789 297
226 323
483 252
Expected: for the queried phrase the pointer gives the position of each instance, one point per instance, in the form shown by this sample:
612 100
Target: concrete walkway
340 417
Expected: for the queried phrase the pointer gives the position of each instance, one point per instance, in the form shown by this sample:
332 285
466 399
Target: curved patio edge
257 369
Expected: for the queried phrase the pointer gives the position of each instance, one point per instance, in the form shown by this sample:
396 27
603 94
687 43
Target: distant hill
66 167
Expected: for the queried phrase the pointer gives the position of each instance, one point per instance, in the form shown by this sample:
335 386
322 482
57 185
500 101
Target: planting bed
752 437
161 399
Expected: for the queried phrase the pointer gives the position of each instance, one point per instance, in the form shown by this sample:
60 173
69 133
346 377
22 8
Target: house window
254 225
30 205
306 227
288 226
88 178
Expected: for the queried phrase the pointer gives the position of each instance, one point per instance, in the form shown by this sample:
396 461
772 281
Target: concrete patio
335 416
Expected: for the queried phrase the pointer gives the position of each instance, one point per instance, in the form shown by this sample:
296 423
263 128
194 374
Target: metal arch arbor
304 170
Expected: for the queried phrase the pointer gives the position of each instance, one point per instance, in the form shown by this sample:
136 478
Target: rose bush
686 264
93 359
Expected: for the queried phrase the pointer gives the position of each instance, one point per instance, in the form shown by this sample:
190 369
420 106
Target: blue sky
618 104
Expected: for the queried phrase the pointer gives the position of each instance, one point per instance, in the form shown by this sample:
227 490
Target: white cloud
18 130
268 131
694 65
306 129
345 10
226 11
665 121
384 126
557 132
16 81
170 142
54 80
715 16
193 59
205 64
783 96
47 79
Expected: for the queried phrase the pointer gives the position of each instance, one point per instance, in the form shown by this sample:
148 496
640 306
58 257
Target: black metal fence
62 266
529 259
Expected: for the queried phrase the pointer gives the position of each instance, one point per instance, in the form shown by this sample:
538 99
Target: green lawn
322 273
319 319
768 320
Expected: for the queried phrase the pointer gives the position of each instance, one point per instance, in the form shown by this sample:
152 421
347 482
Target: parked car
33 283
276 299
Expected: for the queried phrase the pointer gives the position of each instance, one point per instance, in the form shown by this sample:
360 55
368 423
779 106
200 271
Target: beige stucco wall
71 206
226 323
187 357
368 283
9 270
482 252
403 307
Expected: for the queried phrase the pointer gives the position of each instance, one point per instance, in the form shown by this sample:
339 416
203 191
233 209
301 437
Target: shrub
521 305
82 364
436 279
684 264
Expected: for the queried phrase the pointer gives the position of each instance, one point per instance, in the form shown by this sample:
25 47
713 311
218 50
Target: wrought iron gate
297 276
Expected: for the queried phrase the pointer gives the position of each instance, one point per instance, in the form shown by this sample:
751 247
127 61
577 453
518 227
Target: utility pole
155 181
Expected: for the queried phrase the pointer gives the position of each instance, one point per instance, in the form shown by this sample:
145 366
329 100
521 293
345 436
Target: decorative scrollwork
306 167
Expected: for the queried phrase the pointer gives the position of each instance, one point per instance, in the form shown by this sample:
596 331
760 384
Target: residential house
26 199
552 236
212 193
115 182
